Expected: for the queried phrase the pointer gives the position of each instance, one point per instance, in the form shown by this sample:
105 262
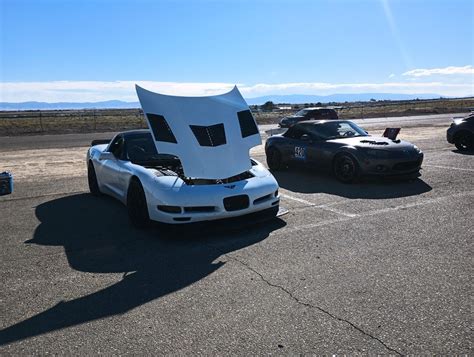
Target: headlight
417 149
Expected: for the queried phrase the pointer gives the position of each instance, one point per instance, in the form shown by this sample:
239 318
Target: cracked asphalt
377 267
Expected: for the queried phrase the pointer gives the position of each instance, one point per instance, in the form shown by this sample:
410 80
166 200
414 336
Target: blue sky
95 50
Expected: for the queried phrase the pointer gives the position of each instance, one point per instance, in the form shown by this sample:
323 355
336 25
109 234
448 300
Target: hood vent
373 142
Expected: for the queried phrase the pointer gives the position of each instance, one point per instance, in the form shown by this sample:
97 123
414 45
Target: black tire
274 159
137 206
345 168
464 141
92 180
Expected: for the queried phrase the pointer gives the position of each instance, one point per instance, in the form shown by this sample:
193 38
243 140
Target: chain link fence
103 120
69 121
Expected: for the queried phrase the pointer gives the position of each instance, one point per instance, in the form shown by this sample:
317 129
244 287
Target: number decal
300 152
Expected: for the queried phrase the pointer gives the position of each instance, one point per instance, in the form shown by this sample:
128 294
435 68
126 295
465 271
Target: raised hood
211 135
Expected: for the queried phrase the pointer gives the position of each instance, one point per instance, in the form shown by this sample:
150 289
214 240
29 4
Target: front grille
199 209
408 165
235 203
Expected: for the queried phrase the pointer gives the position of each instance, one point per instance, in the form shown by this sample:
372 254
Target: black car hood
374 142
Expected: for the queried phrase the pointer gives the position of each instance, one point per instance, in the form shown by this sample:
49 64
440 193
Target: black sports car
343 147
461 133
308 114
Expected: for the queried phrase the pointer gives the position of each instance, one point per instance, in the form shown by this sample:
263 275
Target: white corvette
193 165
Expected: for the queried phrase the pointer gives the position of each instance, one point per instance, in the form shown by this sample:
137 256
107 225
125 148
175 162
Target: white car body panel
114 176
182 113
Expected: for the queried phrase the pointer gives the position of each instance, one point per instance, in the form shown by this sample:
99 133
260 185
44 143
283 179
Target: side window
313 132
117 146
296 132
289 133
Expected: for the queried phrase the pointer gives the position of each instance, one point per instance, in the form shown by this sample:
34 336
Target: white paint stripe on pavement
324 207
373 213
335 210
300 200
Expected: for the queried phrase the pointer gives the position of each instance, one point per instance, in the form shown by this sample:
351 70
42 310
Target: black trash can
6 183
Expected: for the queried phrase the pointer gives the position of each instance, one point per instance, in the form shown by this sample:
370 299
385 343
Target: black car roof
318 108
135 132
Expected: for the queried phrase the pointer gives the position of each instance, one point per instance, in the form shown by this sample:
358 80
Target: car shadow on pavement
98 238
463 152
310 181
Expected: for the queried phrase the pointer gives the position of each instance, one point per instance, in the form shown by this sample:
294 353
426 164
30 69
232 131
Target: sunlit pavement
375 267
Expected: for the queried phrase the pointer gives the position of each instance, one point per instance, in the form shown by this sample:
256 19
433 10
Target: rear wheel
464 141
345 168
92 180
274 160
136 205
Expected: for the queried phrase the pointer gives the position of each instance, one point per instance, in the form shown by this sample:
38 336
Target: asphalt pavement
376 267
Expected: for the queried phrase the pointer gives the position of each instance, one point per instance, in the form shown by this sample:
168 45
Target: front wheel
137 206
464 141
345 168
274 160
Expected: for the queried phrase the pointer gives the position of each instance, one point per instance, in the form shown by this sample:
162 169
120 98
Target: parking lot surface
379 267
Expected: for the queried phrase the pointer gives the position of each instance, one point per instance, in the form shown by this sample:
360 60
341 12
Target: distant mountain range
290 99
339 98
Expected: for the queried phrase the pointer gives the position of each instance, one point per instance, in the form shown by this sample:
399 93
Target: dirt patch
44 165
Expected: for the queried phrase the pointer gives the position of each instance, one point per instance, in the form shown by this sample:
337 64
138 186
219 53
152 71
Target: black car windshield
301 113
141 150
335 130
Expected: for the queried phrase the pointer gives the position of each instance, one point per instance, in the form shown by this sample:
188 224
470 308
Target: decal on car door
300 152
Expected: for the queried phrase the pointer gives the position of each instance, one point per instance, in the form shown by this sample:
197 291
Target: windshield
142 150
335 130
301 113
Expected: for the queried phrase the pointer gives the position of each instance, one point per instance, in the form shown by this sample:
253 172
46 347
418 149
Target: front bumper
407 167
214 202
450 135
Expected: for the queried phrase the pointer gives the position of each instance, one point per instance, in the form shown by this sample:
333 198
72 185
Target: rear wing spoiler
100 142
391 133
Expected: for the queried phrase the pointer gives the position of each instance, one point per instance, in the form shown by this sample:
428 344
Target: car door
299 146
293 149
316 147
110 167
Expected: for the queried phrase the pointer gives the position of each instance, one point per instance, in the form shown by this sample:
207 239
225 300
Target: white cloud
451 70
95 91
391 75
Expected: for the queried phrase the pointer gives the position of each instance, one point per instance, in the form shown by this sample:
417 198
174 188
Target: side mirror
305 137
106 156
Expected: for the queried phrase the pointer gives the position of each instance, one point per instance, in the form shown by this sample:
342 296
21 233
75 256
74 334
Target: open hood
211 135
